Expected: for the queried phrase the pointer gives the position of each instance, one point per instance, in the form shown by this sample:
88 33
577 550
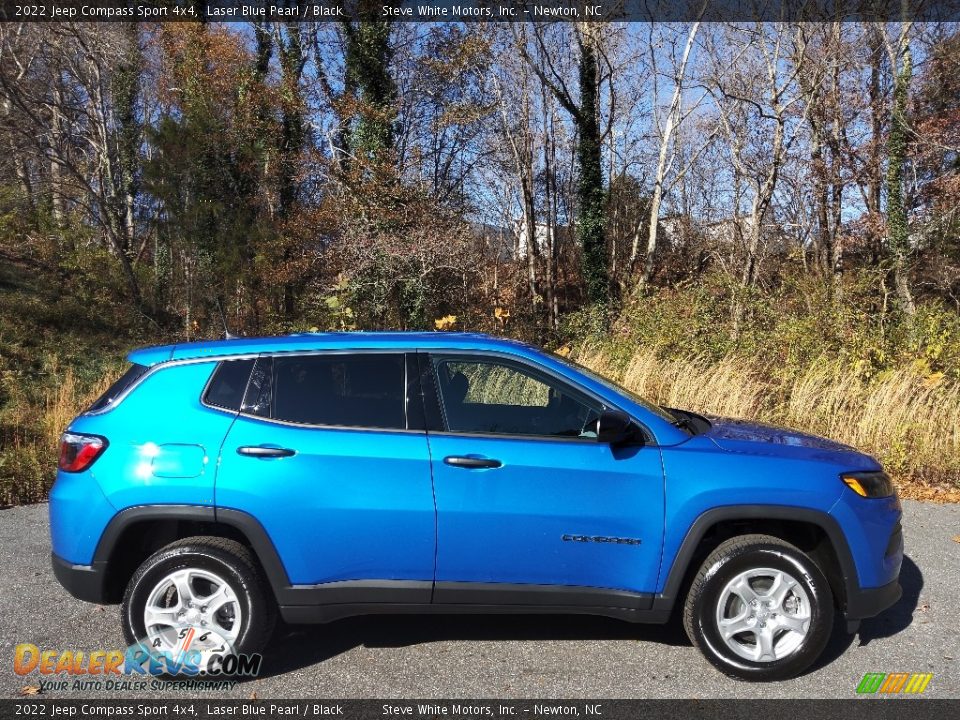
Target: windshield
616 387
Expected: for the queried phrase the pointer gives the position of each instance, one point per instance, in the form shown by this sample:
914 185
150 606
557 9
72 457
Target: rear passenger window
362 390
228 384
133 373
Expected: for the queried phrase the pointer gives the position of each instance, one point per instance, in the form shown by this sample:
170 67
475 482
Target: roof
322 341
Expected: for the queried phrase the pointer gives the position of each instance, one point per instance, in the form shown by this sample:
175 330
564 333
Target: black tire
228 560
730 559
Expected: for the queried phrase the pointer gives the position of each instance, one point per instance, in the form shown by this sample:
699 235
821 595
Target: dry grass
67 401
32 433
909 421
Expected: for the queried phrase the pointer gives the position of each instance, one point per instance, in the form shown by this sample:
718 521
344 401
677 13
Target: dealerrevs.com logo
199 654
899 683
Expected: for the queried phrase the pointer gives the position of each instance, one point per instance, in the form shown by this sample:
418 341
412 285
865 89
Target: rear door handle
471 462
263 451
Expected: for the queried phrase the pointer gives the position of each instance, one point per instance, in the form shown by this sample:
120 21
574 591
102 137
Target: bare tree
755 99
515 113
824 56
65 96
898 231
594 72
15 50
675 115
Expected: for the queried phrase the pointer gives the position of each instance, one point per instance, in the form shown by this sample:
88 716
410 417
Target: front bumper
84 582
867 602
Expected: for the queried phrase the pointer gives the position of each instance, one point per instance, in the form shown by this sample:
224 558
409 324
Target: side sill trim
509 594
313 614
366 592
436 597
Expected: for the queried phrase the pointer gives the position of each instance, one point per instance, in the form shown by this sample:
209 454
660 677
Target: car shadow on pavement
890 622
298 646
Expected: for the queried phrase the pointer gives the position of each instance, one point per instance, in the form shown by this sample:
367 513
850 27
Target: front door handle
262 451
472 462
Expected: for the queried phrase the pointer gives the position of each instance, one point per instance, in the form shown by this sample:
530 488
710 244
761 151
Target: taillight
77 452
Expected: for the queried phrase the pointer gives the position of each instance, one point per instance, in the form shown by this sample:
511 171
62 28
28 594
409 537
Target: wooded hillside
779 202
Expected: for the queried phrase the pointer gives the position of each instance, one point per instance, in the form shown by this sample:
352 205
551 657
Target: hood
765 439
752 431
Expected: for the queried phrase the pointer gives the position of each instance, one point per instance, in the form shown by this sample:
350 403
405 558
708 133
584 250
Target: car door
527 495
329 458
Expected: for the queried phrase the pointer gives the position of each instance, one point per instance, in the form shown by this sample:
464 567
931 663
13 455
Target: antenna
227 335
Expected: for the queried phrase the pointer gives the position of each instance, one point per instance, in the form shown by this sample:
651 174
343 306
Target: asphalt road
507 657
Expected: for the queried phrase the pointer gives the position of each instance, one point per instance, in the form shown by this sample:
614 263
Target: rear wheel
759 609
200 594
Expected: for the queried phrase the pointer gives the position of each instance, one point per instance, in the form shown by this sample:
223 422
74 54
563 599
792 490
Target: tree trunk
836 177
529 231
590 190
673 120
367 62
877 107
56 181
126 92
898 230
292 136
19 164
550 201
836 159
749 272
822 250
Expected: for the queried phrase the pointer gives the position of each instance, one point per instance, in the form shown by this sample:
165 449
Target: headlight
869 484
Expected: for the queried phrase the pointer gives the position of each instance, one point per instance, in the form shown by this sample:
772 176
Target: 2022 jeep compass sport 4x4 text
319 476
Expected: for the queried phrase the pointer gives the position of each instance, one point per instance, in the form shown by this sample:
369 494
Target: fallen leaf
937 493
29 690
956 538
253 695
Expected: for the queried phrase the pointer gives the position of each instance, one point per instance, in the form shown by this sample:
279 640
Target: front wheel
759 609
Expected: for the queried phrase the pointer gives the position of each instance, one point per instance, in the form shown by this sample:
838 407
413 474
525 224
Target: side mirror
615 427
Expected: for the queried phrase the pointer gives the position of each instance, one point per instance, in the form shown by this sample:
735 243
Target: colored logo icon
894 683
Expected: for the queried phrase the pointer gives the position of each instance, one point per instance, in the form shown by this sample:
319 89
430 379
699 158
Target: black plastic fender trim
241 521
848 570
139 513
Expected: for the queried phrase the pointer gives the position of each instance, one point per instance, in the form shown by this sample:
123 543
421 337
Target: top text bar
479 10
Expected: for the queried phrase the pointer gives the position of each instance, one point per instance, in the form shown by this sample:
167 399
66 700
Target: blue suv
318 476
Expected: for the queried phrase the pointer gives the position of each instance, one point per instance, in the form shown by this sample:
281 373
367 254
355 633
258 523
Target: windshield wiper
685 424
681 420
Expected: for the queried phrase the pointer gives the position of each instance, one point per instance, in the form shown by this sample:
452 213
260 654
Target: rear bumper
84 582
867 602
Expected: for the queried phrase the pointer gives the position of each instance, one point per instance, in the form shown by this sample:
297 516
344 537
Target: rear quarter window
113 393
228 384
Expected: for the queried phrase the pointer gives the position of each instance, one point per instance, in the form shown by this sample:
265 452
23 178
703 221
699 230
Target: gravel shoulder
506 656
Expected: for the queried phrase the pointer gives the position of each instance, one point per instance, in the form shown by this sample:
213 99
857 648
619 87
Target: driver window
491 396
